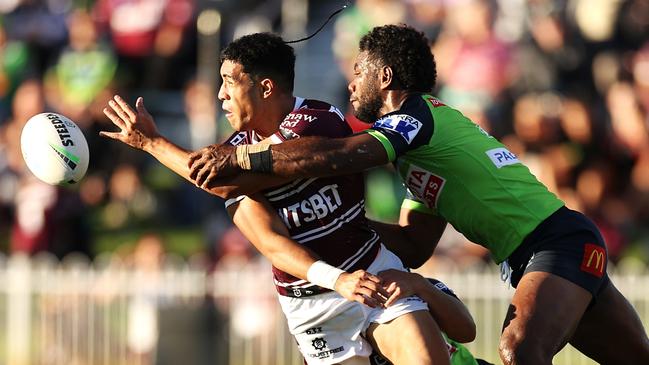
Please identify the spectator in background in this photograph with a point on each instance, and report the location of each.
(147, 34)
(83, 72)
(14, 66)
(43, 29)
(473, 62)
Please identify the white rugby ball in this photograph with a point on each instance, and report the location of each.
(54, 149)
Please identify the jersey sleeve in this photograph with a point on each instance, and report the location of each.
(313, 122)
(411, 202)
(400, 132)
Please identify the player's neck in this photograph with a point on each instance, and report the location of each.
(393, 100)
(277, 111)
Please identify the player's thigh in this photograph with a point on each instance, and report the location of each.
(413, 338)
(544, 313)
(610, 331)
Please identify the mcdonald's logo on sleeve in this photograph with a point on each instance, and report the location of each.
(594, 261)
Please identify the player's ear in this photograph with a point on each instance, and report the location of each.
(267, 87)
(386, 77)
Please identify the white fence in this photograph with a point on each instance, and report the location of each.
(78, 313)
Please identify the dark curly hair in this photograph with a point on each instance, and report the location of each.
(263, 55)
(406, 51)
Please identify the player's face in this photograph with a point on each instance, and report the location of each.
(365, 90)
(239, 96)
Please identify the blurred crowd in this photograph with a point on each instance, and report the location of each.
(563, 83)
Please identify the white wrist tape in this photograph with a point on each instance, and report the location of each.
(323, 274)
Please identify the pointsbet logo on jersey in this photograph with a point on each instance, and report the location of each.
(405, 125)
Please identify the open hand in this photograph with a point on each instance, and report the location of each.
(137, 128)
(362, 287)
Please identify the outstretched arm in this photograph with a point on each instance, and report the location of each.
(262, 226)
(302, 157)
(138, 130)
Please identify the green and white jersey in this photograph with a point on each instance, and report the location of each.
(454, 169)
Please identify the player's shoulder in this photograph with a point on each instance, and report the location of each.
(303, 103)
(413, 121)
(317, 107)
(314, 118)
(414, 109)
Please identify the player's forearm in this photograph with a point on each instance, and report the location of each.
(175, 158)
(412, 249)
(286, 255)
(395, 239)
(266, 231)
(169, 154)
(318, 157)
(450, 313)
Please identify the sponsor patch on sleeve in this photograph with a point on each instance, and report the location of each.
(502, 157)
(404, 124)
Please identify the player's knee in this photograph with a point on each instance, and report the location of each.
(517, 350)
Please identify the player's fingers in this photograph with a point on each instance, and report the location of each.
(374, 295)
(365, 291)
(372, 277)
(374, 287)
(113, 135)
(396, 295)
(201, 175)
(192, 158)
(139, 105)
(119, 112)
(114, 118)
(365, 300)
(381, 294)
(209, 178)
(195, 156)
(196, 168)
(125, 107)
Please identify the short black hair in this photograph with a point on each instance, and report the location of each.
(406, 51)
(263, 55)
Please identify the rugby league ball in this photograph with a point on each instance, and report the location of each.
(54, 149)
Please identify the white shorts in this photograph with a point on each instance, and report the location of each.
(330, 329)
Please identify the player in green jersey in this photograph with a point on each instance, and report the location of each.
(457, 173)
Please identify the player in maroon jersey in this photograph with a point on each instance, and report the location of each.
(325, 216)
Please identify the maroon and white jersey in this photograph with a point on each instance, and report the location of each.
(327, 215)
